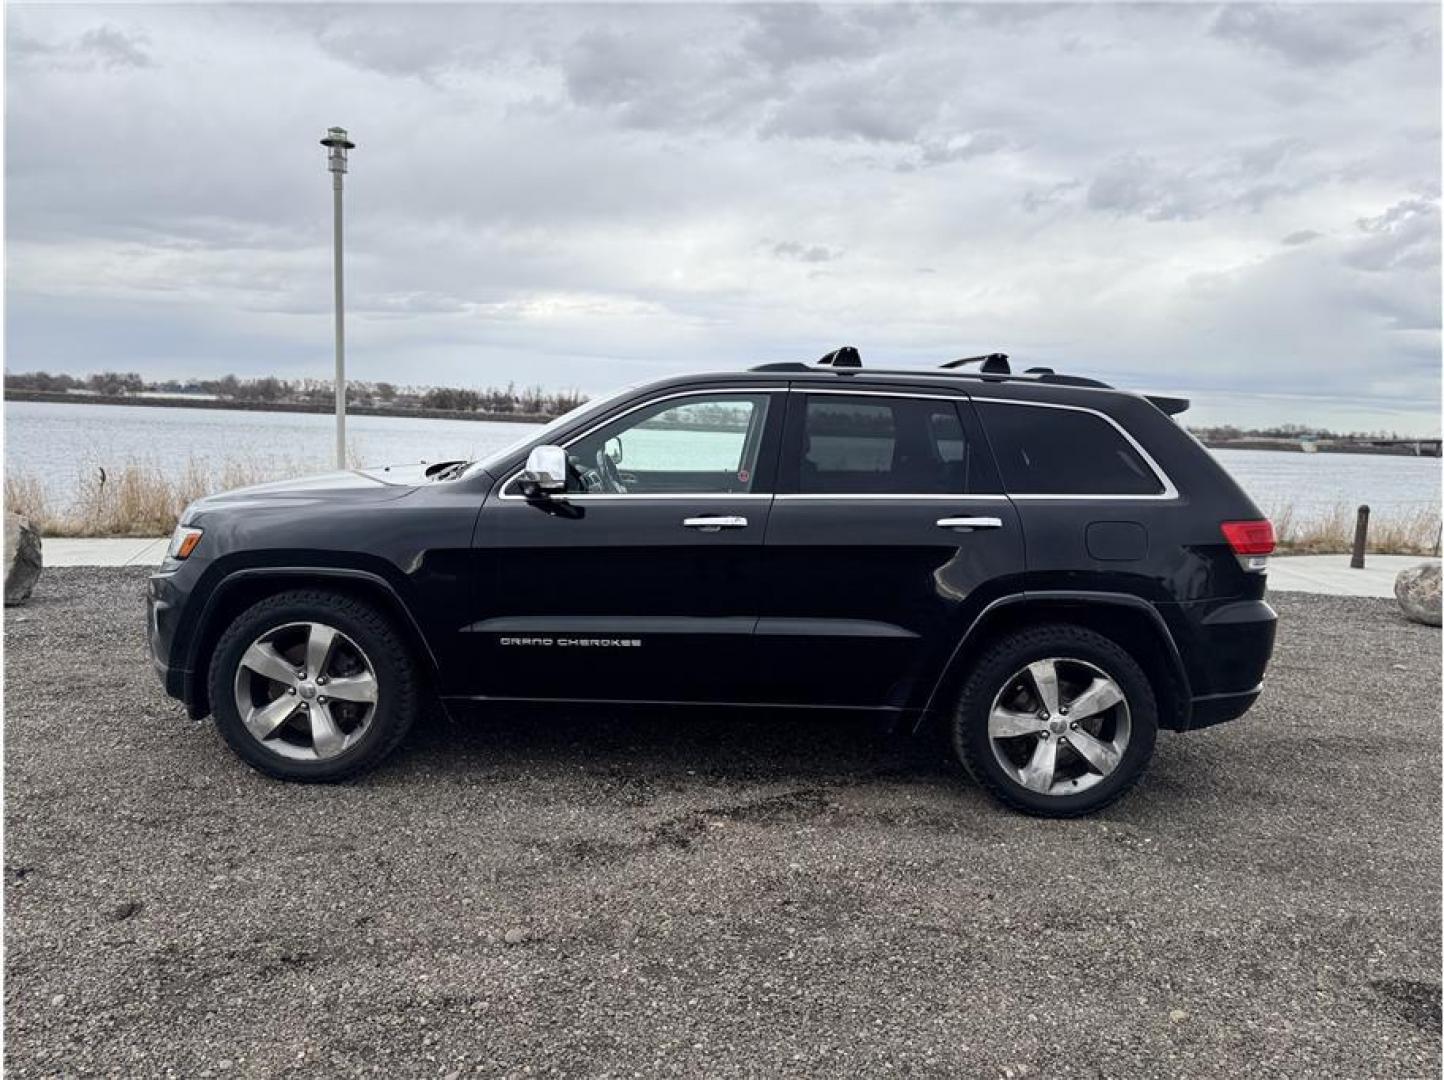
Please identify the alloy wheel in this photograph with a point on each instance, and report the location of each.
(1059, 726)
(306, 691)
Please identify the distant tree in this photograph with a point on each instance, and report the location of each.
(386, 392)
(269, 389)
(446, 397)
(113, 382)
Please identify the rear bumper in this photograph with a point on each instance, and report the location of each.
(1226, 647)
(1219, 708)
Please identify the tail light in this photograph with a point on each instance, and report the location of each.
(1252, 541)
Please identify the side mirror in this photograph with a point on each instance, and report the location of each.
(545, 472)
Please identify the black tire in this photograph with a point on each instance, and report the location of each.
(991, 675)
(396, 680)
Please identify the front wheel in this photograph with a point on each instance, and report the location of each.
(312, 686)
(1056, 721)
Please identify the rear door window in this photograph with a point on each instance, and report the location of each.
(1057, 451)
(876, 445)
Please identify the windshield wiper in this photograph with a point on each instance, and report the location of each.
(451, 471)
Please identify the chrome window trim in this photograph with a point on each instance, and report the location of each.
(1168, 492)
(812, 496)
(708, 392)
(665, 497)
(877, 393)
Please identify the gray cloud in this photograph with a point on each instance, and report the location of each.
(114, 48)
(812, 253)
(1404, 237)
(1244, 178)
(1304, 34)
(103, 46)
(789, 35)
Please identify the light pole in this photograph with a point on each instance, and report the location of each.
(337, 142)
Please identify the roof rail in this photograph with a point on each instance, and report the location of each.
(994, 367)
(785, 365)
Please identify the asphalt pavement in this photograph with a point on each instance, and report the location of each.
(667, 894)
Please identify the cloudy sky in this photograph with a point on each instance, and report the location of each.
(1238, 202)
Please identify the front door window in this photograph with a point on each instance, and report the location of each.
(684, 446)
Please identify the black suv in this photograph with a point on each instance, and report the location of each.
(1052, 567)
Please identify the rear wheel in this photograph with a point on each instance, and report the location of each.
(312, 686)
(1056, 721)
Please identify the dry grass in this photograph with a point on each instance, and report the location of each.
(137, 499)
(1411, 532)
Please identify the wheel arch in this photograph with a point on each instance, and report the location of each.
(1129, 620)
(242, 588)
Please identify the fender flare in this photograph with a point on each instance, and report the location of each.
(1070, 596)
(232, 579)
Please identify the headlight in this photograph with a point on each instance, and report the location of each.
(183, 541)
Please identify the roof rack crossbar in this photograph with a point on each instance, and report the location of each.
(993, 363)
(993, 367)
(844, 357)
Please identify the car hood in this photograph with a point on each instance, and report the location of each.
(379, 484)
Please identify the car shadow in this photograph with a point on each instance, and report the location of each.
(711, 742)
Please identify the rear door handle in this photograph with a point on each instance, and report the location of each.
(970, 523)
(715, 522)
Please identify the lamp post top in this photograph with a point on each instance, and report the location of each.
(337, 142)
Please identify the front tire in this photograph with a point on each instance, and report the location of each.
(312, 686)
(1056, 721)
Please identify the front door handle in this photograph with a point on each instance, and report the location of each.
(970, 523)
(715, 522)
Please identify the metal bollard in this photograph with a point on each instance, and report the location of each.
(1361, 538)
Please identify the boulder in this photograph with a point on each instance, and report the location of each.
(22, 559)
(1417, 590)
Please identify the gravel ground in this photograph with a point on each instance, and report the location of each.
(716, 895)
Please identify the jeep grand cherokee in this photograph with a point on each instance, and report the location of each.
(1052, 568)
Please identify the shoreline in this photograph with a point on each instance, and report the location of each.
(53, 398)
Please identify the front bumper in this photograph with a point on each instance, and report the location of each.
(162, 613)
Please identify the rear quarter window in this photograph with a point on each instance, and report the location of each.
(1056, 451)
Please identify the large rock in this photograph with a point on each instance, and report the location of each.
(1417, 589)
(22, 559)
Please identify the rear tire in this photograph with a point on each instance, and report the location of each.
(1056, 721)
(315, 726)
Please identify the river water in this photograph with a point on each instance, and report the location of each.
(55, 442)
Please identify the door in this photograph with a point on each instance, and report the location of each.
(889, 533)
(641, 582)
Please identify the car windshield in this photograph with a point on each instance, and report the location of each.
(539, 437)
